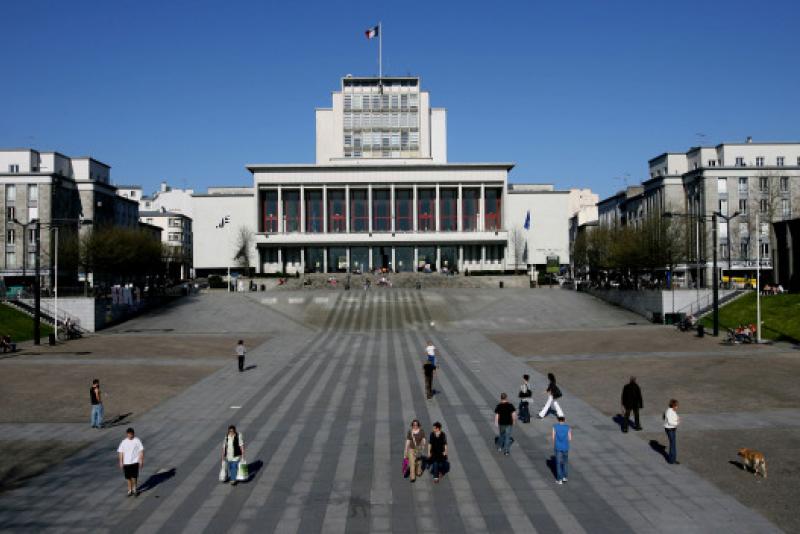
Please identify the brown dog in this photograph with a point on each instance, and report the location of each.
(754, 461)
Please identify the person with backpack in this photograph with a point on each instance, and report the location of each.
(553, 394)
(232, 453)
(525, 393)
(415, 448)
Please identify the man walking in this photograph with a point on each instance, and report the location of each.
(504, 417)
(631, 402)
(671, 422)
(437, 452)
(240, 352)
(96, 398)
(561, 436)
(429, 369)
(131, 459)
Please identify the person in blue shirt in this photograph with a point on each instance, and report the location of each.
(561, 436)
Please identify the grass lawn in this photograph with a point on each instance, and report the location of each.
(18, 325)
(780, 316)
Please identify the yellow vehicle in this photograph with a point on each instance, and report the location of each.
(740, 281)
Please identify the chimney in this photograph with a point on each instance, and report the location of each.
(749, 140)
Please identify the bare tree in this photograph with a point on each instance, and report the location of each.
(244, 242)
(517, 241)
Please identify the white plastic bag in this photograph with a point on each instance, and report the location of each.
(223, 471)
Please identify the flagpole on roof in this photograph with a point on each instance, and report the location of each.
(380, 51)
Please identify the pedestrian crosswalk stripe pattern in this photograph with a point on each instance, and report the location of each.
(324, 416)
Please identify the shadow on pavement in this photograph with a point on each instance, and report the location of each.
(250, 367)
(118, 420)
(157, 479)
(551, 464)
(253, 469)
(659, 448)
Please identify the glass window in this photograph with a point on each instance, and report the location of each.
(743, 206)
(779, 161)
(11, 194)
(404, 258)
(382, 258)
(315, 259)
(426, 210)
(743, 229)
(764, 247)
(381, 210)
(722, 185)
(291, 210)
(426, 259)
(33, 195)
(469, 209)
(449, 258)
(763, 205)
(740, 162)
(314, 222)
(785, 211)
(11, 213)
(743, 246)
(723, 207)
(337, 211)
(11, 237)
(403, 210)
(359, 259)
(763, 183)
(493, 212)
(269, 211)
(760, 161)
(337, 259)
(742, 184)
(448, 210)
(359, 211)
(784, 183)
(11, 259)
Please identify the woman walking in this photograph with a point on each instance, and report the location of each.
(232, 452)
(553, 394)
(415, 448)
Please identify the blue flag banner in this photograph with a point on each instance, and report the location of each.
(527, 224)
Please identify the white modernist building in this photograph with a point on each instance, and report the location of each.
(382, 194)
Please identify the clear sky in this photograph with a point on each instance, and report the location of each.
(577, 93)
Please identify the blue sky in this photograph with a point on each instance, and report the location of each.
(576, 93)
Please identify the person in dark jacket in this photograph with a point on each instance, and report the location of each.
(631, 402)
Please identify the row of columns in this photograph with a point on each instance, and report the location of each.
(392, 188)
(371, 259)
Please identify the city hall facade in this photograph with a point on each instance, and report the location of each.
(382, 195)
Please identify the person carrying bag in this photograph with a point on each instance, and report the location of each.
(233, 457)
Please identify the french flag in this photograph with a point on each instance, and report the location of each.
(372, 32)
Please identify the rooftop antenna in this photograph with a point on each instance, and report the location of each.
(701, 138)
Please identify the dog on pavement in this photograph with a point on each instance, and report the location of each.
(754, 461)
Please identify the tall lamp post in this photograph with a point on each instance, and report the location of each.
(715, 288)
(727, 219)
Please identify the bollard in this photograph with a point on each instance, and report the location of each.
(501, 284)
(701, 330)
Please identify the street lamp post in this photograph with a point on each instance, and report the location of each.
(37, 312)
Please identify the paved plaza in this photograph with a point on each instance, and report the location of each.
(324, 409)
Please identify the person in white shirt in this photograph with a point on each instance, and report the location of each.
(430, 350)
(233, 452)
(671, 422)
(240, 352)
(131, 458)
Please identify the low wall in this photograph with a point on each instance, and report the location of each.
(647, 302)
(92, 314)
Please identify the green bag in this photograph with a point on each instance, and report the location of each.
(242, 473)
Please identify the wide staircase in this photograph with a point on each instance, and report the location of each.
(398, 280)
